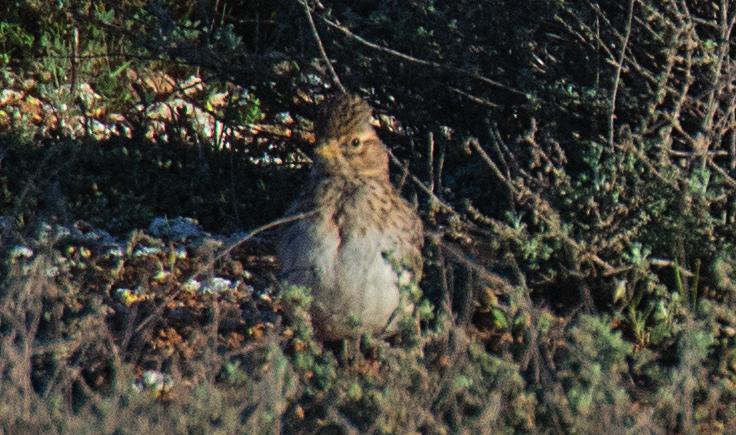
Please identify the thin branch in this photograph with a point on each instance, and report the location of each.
(492, 165)
(479, 100)
(221, 255)
(395, 160)
(553, 220)
(416, 60)
(321, 47)
(727, 178)
(461, 257)
(664, 262)
(617, 79)
(74, 80)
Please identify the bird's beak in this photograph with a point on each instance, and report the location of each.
(325, 151)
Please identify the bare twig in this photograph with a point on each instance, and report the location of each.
(617, 79)
(492, 165)
(664, 262)
(321, 47)
(347, 425)
(727, 178)
(416, 60)
(225, 252)
(430, 160)
(74, 62)
(495, 280)
(474, 98)
(395, 160)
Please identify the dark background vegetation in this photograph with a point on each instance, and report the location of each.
(574, 163)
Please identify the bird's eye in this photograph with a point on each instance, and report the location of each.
(355, 143)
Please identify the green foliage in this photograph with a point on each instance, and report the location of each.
(14, 39)
(593, 374)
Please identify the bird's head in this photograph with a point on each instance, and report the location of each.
(347, 143)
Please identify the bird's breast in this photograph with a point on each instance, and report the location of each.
(348, 253)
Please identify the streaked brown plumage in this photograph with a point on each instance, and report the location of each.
(348, 251)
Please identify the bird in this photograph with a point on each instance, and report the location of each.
(359, 241)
